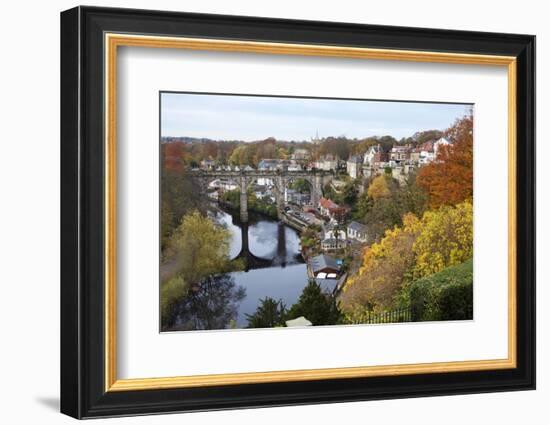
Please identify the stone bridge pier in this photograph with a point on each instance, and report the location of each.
(243, 183)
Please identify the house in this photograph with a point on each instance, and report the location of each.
(294, 166)
(331, 209)
(208, 164)
(326, 271)
(423, 153)
(260, 191)
(353, 167)
(375, 157)
(331, 244)
(368, 158)
(324, 264)
(400, 153)
(268, 164)
(332, 232)
(223, 185)
(327, 163)
(437, 145)
(333, 239)
(357, 231)
(294, 197)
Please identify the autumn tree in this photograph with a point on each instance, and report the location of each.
(385, 266)
(385, 202)
(379, 187)
(446, 239)
(201, 246)
(242, 155)
(449, 179)
(174, 156)
(180, 194)
(419, 248)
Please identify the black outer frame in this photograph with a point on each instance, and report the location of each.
(82, 219)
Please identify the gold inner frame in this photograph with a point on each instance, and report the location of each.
(113, 41)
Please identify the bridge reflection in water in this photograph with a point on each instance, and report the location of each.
(222, 301)
(279, 257)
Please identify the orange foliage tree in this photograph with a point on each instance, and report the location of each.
(174, 156)
(449, 179)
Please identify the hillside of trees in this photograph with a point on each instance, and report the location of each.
(423, 232)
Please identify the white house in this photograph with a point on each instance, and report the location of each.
(353, 166)
(294, 166)
(222, 184)
(439, 143)
(368, 158)
(357, 231)
(327, 163)
(333, 239)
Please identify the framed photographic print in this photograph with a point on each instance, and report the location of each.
(261, 212)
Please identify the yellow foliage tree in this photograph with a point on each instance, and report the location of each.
(442, 238)
(446, 239)
(379, 188)
(381, 275)
(202, 247)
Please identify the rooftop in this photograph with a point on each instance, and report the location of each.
(327, 203)
(358, 227)
(323, 261)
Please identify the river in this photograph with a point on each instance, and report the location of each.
(275, 270)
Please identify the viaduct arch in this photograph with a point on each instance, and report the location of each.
(280, 178)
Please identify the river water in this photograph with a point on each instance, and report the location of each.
(275, 270)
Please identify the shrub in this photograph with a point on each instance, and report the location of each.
(447, 295)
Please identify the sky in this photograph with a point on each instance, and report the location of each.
(251, 118)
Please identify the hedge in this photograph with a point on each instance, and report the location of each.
(447, 295)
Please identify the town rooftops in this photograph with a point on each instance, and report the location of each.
(328, 204)
(358, 227)
(323, 262)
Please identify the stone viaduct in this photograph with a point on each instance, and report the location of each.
(281, 178)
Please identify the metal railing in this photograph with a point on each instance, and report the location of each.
(391, 316)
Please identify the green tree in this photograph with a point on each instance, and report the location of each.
(315, 306)
(201, 246)
(389, 203)
(446, 295)
(269, 314)
(300, 185)
(170, 292)
(180, 194)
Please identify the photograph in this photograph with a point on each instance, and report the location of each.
(292, 212)
(345, 203)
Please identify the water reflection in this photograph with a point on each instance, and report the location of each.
(213, 304)
(274, 268)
